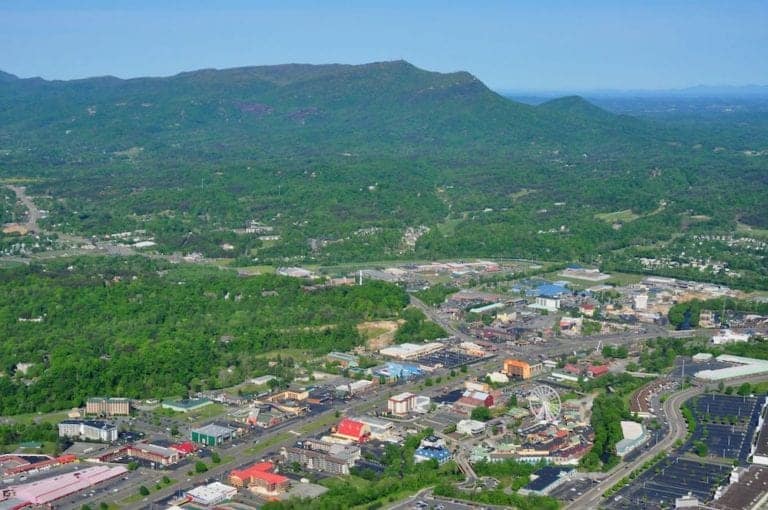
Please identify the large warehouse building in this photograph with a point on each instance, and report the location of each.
(411, 351)
(742, 367)
(212, 435)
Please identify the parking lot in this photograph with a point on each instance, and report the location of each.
(672, 478)
(447, 359)
(726, 424)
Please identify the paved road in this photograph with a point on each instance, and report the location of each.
(435, 317)
(677, 430)
(32, 210)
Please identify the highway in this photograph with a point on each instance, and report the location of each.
(677, 430)
(33, 212)
(250, 451)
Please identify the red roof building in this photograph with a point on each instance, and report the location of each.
(261, 477)
(185, 448)
(354, 430)
(572, 369)
(597, 370)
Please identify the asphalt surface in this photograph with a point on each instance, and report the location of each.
(677, 430)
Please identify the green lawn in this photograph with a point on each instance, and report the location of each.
(264, 445)
(624, 216)
(314, 425)
(53, 417)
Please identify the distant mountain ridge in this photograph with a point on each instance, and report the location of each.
(341, 159)
(394, 101)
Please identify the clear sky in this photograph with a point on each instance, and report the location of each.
(513, 44)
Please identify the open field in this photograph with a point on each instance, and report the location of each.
(624, 216)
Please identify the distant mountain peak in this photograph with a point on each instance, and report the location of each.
(573, 105)
(8, 76)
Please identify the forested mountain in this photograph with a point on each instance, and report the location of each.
(341, 159)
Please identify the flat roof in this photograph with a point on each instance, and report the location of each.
(631, 429)
(212, 491)
(761, 448)
(213, 430)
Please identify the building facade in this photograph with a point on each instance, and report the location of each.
(88, 429)
(101, 406)
(401, 404)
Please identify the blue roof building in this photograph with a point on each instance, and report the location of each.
(402, 370)
(441, 455)
(546, 479)
(552, 290)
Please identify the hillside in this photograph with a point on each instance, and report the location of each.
(341, 159)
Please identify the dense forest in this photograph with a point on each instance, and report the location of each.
(141, 328)
(336, 162)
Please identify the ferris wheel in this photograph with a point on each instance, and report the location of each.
(544, 403)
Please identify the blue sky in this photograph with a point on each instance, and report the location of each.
(516, 45)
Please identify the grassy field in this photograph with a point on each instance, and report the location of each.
(296, 354)
(624, 216)
(208, 412)
(318, 424)
(53, 417)
(757, 232)
(272, 441)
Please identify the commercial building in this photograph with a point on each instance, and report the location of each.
(13, 464)
(47, 490)
(212, 435)
(411, 351)
(344, 360)
(470, 427)
(323, 456)
(380, 429)
(212, 494)
(594, 371)
(546, 479)
(760, 453)
(153, 453)
(89, 430)
(743, 367)
(727, 336)
(487, 308)
(423, 454)
(186, 405)
(546, 303)
(352, 430)
(519, 369)
(351, 389)
(394, 370)
(702, 357)
(472, 349)
(498, 377)
(634, 436)
(261, 477)
(401, 404)
(102, 406)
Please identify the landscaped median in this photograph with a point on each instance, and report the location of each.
(648, 464)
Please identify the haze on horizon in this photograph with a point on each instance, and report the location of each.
(528, 45)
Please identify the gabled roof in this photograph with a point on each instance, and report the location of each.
(350, 428)
(260, 471)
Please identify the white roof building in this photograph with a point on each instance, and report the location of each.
(212, 494)
(727, 336)
(410, 351)
(470, 427)
(745, 367)
(498, 377)
(634, 436)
